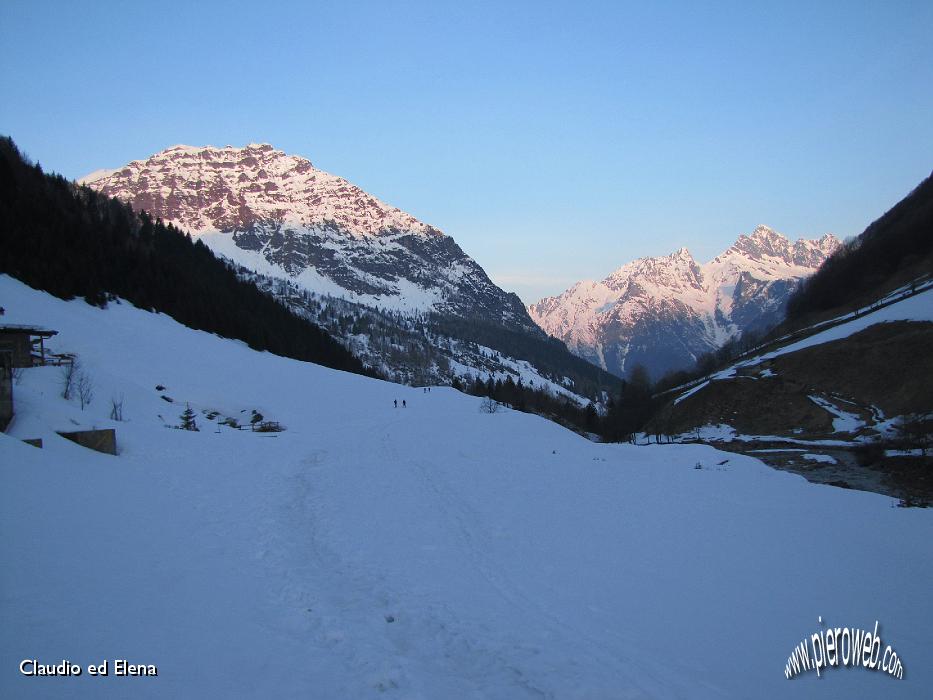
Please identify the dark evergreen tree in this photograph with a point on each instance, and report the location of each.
(188, 421)
(893, 249)
(549, 355)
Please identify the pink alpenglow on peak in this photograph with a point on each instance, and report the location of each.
(204, 188)
(663, 312)
(278, 215)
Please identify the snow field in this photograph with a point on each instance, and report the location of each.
(427, 552)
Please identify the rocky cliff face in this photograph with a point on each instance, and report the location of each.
(664, 312)
(278, 214)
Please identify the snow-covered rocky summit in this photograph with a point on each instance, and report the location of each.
(279, 215)
(663, 312)
(206, 188)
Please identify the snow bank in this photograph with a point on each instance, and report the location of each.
(843, 421)
(821, 458)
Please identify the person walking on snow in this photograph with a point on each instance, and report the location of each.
(404, 405)
(396, 403)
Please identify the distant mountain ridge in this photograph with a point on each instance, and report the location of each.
(279, 215)
(663, 312)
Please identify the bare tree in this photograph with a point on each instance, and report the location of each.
(489, 405)
(85, 389)
(116, 408)
(915, 432)
(70, 373)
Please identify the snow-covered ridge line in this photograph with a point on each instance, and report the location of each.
(258, 179)
(699, 306)
(765, 254)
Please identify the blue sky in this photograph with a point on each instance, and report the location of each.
(555, 142)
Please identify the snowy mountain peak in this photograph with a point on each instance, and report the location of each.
(678, 258)
(765, 245)
(763, 231)
(206, 188)
(664, 311)
(278, 215)
(677, 270)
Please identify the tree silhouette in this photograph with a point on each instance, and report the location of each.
(188, 421)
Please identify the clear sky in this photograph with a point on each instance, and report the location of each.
(554, 141)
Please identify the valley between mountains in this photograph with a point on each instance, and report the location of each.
(346, 464)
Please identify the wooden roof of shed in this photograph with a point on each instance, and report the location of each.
(24, 329)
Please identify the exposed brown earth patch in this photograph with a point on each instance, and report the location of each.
(887, 366)
(874, 375)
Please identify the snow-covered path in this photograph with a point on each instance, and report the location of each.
(426, 552)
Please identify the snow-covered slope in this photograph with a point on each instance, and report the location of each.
(410, 349)
(427, 552)
(906, 306)
(277, 214)
(867, 370)
(663, 312)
